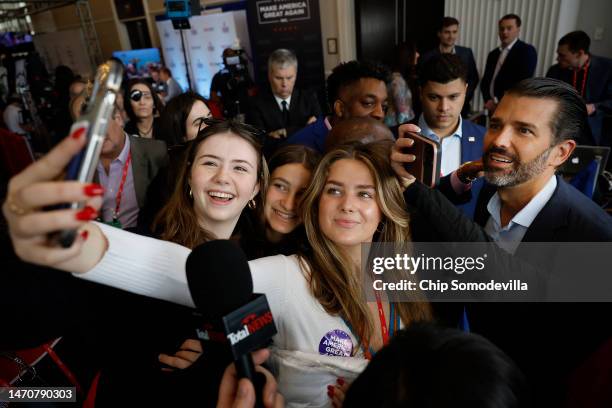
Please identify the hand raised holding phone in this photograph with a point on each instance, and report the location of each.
(416, 157)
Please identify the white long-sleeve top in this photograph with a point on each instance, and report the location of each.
(309, 339)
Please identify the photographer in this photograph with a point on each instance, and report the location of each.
(232, 86)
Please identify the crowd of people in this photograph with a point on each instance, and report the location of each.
(300, 190)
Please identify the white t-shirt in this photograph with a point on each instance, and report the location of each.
(308, 342)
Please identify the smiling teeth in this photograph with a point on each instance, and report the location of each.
(500, 159)
(284, 215)
(219, 194)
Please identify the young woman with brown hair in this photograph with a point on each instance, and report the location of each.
(315, 296)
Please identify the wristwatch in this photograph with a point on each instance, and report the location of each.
(464, 178)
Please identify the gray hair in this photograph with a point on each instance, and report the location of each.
(282, 57)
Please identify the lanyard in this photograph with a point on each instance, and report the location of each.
(383, 322)
(584, 78)
(386, 331)
(126, 167)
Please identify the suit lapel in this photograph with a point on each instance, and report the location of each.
(139, 170)
(469, 146)
(551, 219)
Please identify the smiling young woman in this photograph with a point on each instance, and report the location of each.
(223, 171)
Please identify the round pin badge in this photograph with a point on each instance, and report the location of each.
(336, 343)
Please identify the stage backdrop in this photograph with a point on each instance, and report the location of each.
(209, 35)
(291, 24)
(64, 48)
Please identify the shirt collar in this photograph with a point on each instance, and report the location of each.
(125, 151)
(426, 130)
(528, 213)
(280, 100)
(451, 52)
(509, 47)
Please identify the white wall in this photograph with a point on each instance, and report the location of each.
(337, 21)
(594, 14)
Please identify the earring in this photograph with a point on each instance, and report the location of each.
(190, 193)
(381, 227)
(252, 204)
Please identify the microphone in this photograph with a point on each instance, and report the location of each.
(221, 287)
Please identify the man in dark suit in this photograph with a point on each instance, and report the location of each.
(508, 64)
(590, 75)
(448, 34)
(530, 135)
(282, 110)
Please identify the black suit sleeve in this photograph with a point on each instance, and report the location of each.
(529, 61)
(473, 78)
(308, 106)
(488, 76)
(255, 115)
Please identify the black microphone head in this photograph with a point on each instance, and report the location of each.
(219, 278)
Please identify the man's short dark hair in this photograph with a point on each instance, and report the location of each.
(447, 22)
(576, 41)
(512, 17)
(428, 366)
(571, 119)
(442, 68)
(347, 73)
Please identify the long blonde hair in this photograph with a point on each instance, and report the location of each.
(333, 280)
(177, 220)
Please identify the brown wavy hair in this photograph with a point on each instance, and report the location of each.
(177, 220)
(333, 280)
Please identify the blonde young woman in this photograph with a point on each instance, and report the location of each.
(316, 295)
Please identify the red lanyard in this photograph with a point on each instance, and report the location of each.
(384, 329)
(584, 78)
(126, 167)
(383, 321)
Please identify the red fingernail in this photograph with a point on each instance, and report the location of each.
(84, 234)
(78, 133)
(86, 214)
(330, 390)
(93, 189)
(340, 381)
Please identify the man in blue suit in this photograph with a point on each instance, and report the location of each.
(508, 64)
(443, 87)
(590, 75)
(448, 34)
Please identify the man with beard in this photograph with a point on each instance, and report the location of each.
(530, 135)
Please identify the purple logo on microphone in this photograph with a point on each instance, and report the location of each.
(336, 343)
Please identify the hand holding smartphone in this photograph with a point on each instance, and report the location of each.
(426, 166)
(93, 121)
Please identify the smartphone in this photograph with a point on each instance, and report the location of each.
(426, 167)
(93, 121)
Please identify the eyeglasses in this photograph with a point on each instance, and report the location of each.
(136, 95)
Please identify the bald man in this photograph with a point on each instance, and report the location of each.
(363, 129)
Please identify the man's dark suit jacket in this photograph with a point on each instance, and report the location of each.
(546, 340)
(467, 57)
(149, 156)
(265, 114)
(598, 91)
(520, 64)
